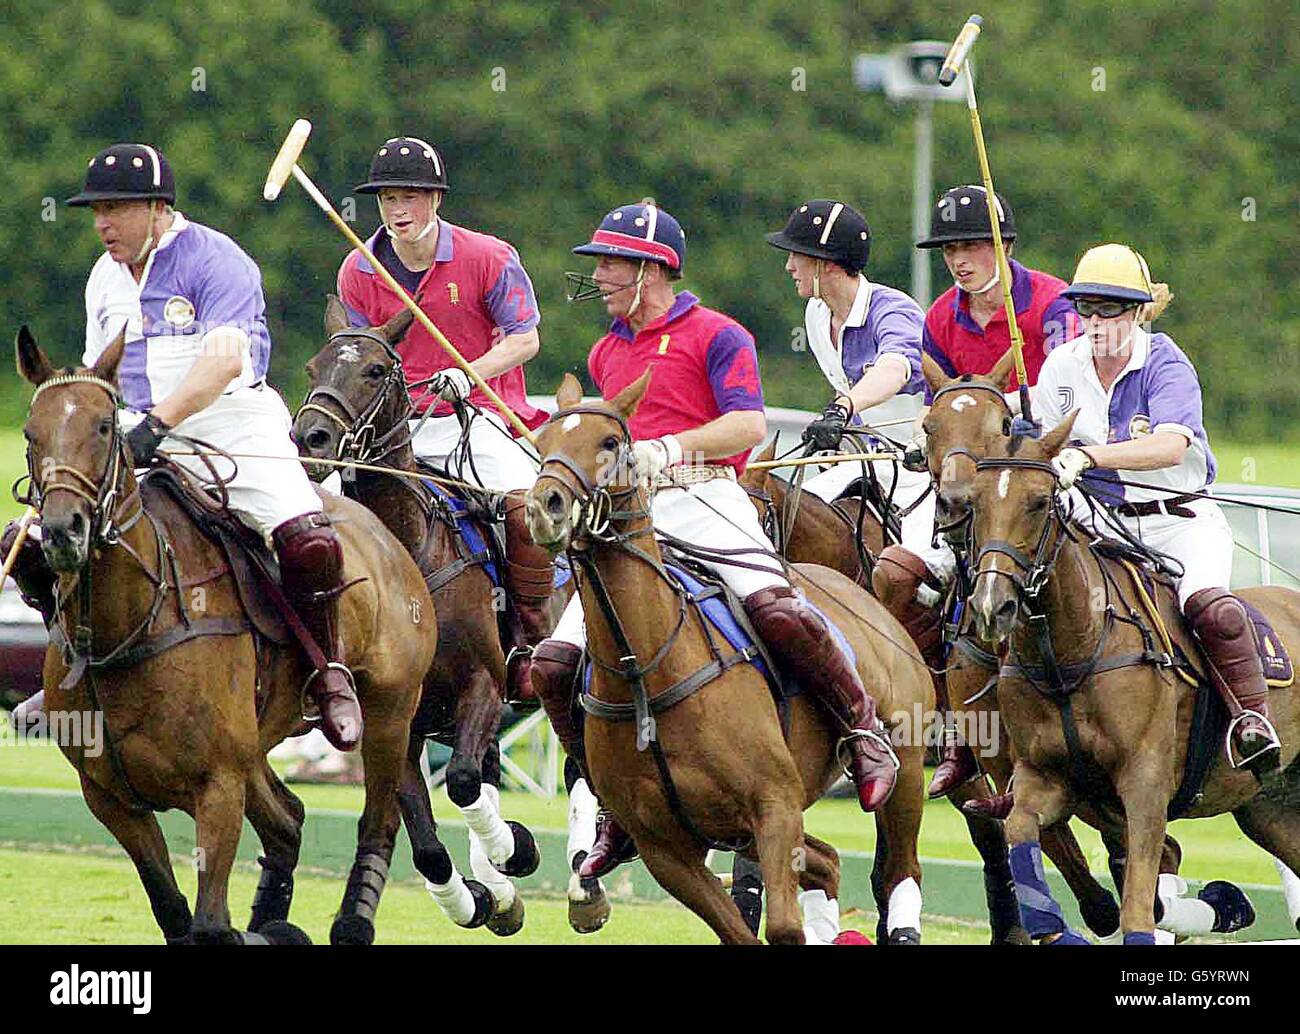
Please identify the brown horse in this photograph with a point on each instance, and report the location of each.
(357, 409)
(191, 701)
(730, 773)
(1090, 719)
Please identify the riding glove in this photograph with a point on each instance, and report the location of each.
(655, 455)
(824, 433)
(1069, 464)
(914, 456)
(144, 438)
(452, 384)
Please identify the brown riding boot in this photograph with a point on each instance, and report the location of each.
(807, 649)
(1224, 629)
(311, 570)
(530, 575)
(30, 572)
(899, 573)
(554, 668)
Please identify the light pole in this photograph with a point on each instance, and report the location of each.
(911, 73)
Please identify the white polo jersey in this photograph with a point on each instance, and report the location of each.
(1157, 390)
(195, 281)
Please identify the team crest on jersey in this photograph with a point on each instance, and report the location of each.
(178, 311)
(453, 293)
(1066, 394)
(1139, 426)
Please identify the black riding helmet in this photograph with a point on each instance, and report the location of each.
(962, 214)
(826, 230)
(127, 172)
(406, 161)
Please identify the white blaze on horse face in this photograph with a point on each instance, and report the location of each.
(1004, 483)
(349, 353)
(571, 422)
(962, 401)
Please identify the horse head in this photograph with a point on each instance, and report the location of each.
(586, 465)
(968, 415)
(76, 453)
(357, 403)
(1013, 500)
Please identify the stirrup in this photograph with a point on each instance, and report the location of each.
(846, 761)
(1274, 744)
(307, 716)
(518, 653)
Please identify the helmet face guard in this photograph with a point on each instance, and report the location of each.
(585, 287)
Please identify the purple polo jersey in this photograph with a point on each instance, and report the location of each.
(1157, 390)
(893, 325)
(196, 281)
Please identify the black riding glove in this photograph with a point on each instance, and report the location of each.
(824, 433)
(144, 438)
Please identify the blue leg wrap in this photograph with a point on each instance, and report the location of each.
(1140, 938)
(1039, 912)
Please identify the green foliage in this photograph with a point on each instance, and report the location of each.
(552, 114)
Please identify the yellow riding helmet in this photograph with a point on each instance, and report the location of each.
(1111, 271)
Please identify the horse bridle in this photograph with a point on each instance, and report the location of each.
(359, 440)
(1038, 568)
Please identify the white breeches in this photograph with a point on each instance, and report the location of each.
(494, 460)
(264, 492)
(715, 514)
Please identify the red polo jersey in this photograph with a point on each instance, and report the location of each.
(962, 346)
(704, 365)
(475, 292)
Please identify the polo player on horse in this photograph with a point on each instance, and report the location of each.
(702, 413)
(1139, 403)
(189, 302)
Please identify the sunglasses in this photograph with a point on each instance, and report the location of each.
(1107, 310)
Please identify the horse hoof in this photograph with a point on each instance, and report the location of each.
(1232, 909)
(1100, 914)
(905, 935)
(509, 922)
(281, 931)
(591, 911)
(527, 857)
(218, 935)
(484, 904)
(352, 929)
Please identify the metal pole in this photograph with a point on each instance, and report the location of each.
(922, 188)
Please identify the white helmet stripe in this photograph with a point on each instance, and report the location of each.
(997, 204)
(652, 217)
(830, 221)
(157, 167)
(433, 153)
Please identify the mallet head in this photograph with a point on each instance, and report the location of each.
(960, 49)
(284, 161)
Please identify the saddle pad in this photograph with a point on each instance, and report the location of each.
(1278, 669)
(469, 530)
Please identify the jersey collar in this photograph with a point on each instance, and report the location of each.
(1022, 295)
(683, 302)
(1137, 359)
(442, 253)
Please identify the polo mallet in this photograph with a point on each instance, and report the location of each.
(952, 65)
(286, 162)
(23, 524)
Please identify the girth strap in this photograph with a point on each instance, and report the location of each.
(674, 694)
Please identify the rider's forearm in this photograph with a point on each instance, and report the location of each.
(1152, 452)
(729, 434)
(221, 361)
(883, 381)
(511, 351)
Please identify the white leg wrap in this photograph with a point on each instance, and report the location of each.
(821, 917)
(905, 906)
(1290, 891)
(454, 898)
(501, 887)
(582, 820)
(485, 823)
(1164, 937)
(1183, 916)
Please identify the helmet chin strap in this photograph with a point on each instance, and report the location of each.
(817, 279)
(149, 241)
(636, 298)
(993, 282)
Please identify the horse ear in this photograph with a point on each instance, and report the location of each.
(1054, 440)
(569, 393)
(336, 316)
(1003, 369)
(933, 372)
(106, 366)
(32, 361)
(395, 329)
(629, 398)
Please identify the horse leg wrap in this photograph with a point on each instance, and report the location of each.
(821, 917)
(365, 886)
(1290, 891)
(1140, 938)
(1040, 915)
(904, 907)
(454, 898)
(486, 825)
(1183, 916)
(582, 822)
(502, 889)
(273, 896)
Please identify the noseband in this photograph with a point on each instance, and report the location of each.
(594, 509)
(360, 440)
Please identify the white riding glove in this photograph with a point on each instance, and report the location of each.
(1069, 464)
(452, 384)
(655, 455)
